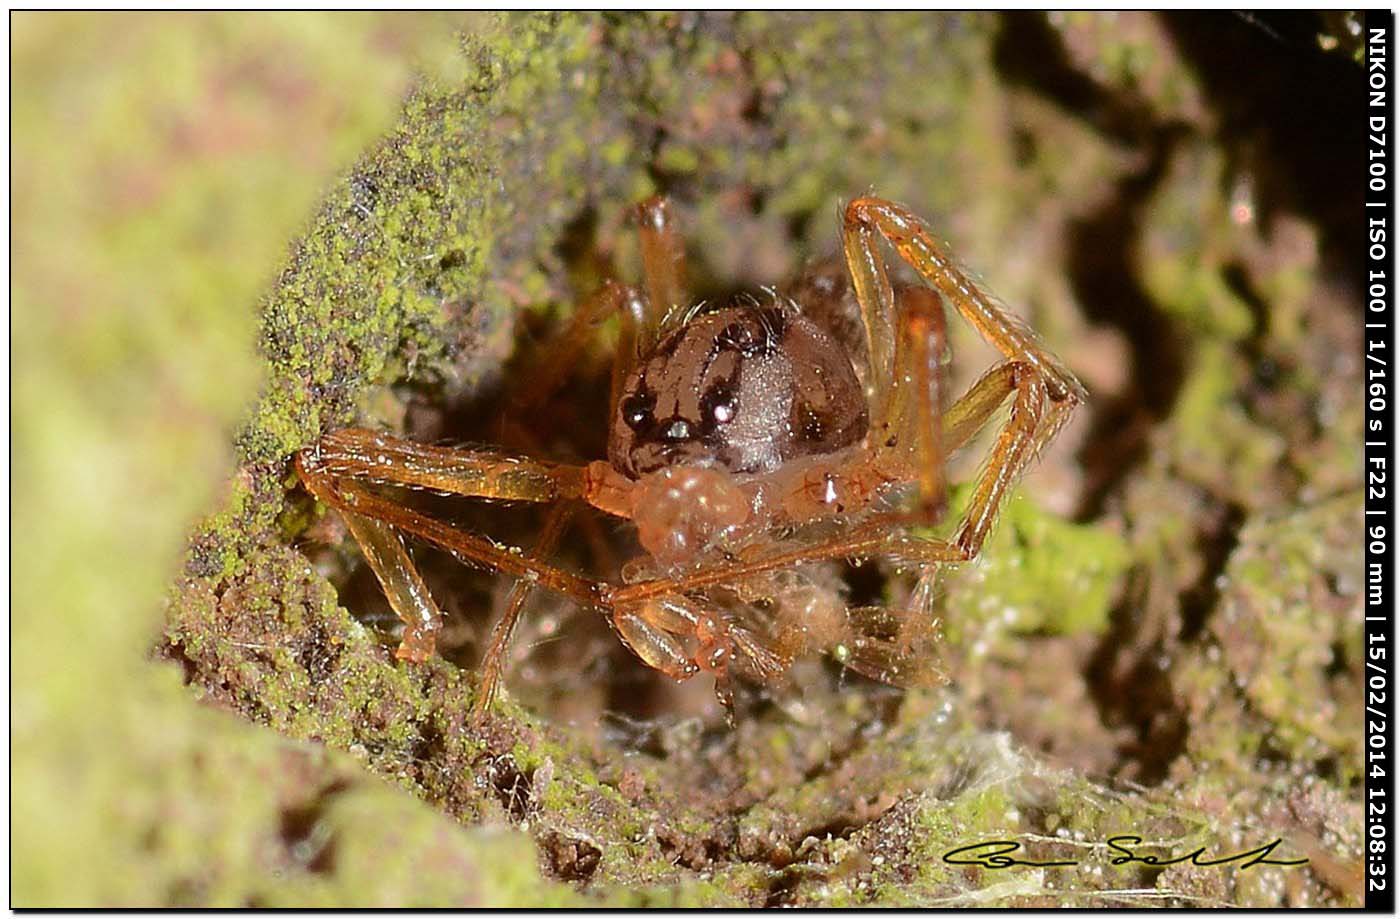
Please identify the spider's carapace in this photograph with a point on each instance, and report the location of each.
(746, 388)
(746, 446)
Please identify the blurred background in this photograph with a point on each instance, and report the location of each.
(231, 231)
(160, 166)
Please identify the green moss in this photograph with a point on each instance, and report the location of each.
(1186, 242)
(1218, 441)
(1283, 684)
(1037, 574)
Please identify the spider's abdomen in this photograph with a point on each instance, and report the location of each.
(745, 388)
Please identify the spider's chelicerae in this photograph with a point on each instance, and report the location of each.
(744, 445)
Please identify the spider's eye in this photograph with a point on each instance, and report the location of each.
(637, 408)
(735, 337)
(718, 406)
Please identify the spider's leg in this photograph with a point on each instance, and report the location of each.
(402, 585)
(1013, 450)
(349, 497)
(1046, 393)
(871, 283)
(877, 539)
(654, 646)
(680, 618)
(328, 468)
(967, 416)
(560, 355)
(663, 270)
(919, 418)
(646, 627)
(663, 267)
(866, 217)
(494, 660)
(372, 456)
(664, 616)
(1032, 415)
(681, 636)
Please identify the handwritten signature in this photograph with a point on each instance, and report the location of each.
(995, 854)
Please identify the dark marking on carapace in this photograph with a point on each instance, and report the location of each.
(747, 387)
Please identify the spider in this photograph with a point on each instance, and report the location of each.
(744, 445)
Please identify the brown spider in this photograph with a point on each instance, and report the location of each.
(742, 445)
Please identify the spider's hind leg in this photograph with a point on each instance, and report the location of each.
(334, 471)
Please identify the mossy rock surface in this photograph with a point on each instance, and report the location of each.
(1160, 640)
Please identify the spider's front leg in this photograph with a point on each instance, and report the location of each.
(381, 546)
(1045, 393)
(663, 268)
(334, 469)
(668, 631)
